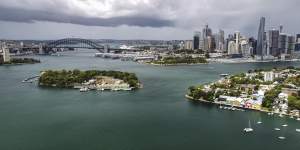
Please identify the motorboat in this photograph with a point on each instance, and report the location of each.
(276, 129)
(285, 125)
(249, 129)
(224, 75)
(281, 137)
(84, 89)
(259, 122)
(297, 130)
(298, 119)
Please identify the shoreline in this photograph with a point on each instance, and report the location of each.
(179, 64)
(224, 61)
(241, 61)
(216, 103)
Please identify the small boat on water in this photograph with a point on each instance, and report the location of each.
(83, 89)
(224, 75)
(298, 119)
(292, 117)
(281, 137)
(249, 129)
(297, 130)
(276, 129)
(285, 125)
(259, 122)
(281, 115)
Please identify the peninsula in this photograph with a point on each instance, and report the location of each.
(89, 80)
(179, 60)
(273, 91)
(20, 61)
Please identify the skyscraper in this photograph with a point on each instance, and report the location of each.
(237, 36)
(283, 43)
(260, 48)
(196, 40)
(297, 45)
(207, 31)
(5, 52)
(253, 44)
(273, 42)
(221, 39)
(291, 44)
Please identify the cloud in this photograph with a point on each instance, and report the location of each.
(230, 15)
(30, 16)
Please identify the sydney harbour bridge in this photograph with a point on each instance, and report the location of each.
(73, 43)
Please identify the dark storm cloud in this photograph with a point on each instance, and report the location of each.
(167, 16)
(30, 16)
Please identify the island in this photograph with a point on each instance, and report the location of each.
(20, 61)
(89, 80)
(170, 60)
(274, 90)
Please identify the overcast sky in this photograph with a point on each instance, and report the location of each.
(141, 19)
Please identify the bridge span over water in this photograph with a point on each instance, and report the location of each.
(73, 43)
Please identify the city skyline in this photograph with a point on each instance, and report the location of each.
(140, 19)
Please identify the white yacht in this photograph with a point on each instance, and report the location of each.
(281, 138)
(249, 129)
(276, 129)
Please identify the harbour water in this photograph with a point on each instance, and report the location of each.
(155, 117)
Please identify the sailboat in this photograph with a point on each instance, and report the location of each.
(249, 129)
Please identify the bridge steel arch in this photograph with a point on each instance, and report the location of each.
(74, 43)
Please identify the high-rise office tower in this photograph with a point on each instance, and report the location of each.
(260, 48)
(220, 40)
(273, 42)
(5, 52)
(283, 43)
(237, 36)
(291, 44)
(245, 47)
(297, 45)
(196, 40)
(206, 31)
(230, 38)
(252, 44)
(231, 48)
(280, 28)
